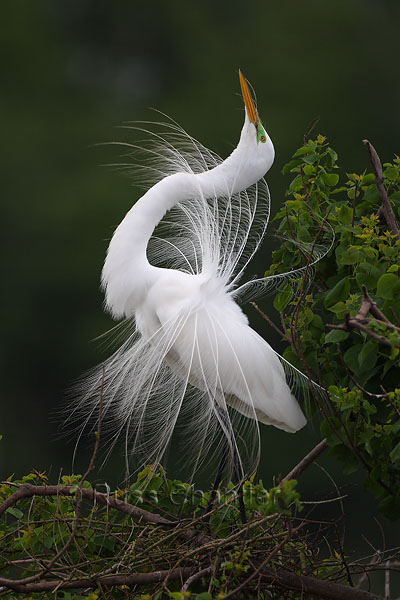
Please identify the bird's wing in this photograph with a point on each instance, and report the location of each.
(222, 355)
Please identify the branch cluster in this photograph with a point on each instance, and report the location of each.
(361, 321)
(273, 552)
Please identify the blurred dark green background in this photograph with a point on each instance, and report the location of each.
(72, 71)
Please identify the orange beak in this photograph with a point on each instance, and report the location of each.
(248, 102)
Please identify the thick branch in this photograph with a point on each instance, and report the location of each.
(318, 588)
(353, 323)
(386, 207)
(106, 581)
(28, 491)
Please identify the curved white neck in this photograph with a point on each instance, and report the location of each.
(126, 271)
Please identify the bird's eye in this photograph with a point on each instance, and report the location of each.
(263, 138)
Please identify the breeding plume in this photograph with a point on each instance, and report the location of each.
(188, 358)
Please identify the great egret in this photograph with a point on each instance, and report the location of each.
(189, 348)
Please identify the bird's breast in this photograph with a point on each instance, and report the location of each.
(177, 297)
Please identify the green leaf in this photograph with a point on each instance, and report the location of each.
(368, 356)
(368, 179)
(367, 275)
(311, 158)
(391, 173)
(290, 355)
(15, 512)
(336, 335)
(390, 507)
(303, 150)
(339, 292)
(345, 214)
(294, 205)
(297, 184)
(339, 309)
(330, 179)
(388, 286)
(391, 269)
(283, 298)
(204, 596)
(372, 195)
(351, 464)
(350, 357)
(309, 170)
(350, 256)
(328, 428)
(395, 453)
(316, 327)
(290, 165)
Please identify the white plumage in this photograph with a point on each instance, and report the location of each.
(172, 270)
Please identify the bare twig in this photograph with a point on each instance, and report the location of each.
(310, 128)
(269, 321)
(195, 577)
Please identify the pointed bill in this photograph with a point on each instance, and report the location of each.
(248, 102)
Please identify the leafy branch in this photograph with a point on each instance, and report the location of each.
(343, 328)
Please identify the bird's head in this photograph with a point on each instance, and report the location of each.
(259, 147)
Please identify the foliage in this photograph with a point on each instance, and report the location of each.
(343, 329)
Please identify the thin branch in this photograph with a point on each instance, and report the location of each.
(310, 128)
(269, 321)
(307, 461)
(97, 434)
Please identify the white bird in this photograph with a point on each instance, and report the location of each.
(189, 347)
